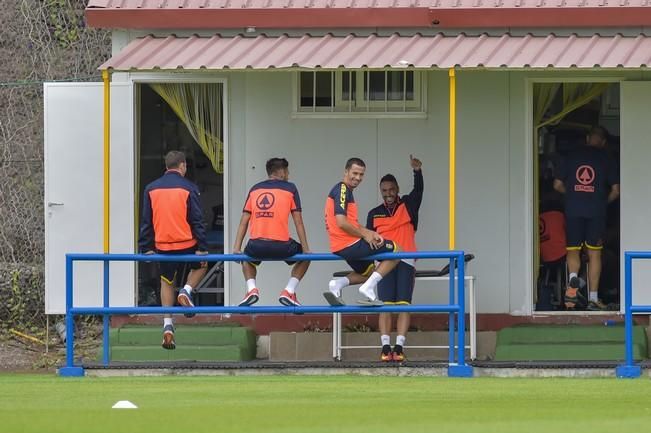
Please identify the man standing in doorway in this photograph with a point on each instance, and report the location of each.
(172, 223)
(266, 212)
(353, 242)
(397, 218)
(589, 178)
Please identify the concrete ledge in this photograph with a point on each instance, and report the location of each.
(317, 346)
(394, 371)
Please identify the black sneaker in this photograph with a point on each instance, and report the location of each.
(385, 356)
(572, 292)
(398, 354)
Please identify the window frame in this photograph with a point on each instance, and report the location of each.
(358, 106)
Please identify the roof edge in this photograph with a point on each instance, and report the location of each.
(415, 17)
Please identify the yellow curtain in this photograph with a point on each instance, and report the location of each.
(575, 95)
(199, 106)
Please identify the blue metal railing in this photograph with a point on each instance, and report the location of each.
(630, 369)
(457, 275)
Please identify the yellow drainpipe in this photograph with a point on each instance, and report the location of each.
(453, 156)
(106, 77)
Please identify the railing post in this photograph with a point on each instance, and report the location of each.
(106, 317)
(451, 314)
(461, 369)
(70, 369)
(628, 370)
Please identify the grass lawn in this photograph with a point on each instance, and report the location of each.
(42, 403)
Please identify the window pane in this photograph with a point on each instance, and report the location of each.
(348, 77)
(396, 85)
(375, 86)
(410, 85)
(306, 88)
(323, 89)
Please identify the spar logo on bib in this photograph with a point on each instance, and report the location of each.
(265, 202)
(585, 178)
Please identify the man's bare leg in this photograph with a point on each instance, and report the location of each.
(573, 266)
(299, 269)
(167, 300)
(594, 273)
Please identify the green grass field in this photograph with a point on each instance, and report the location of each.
(42, 403)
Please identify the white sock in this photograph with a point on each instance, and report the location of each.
(188, 288)
(594, 296)
(250, 284)
(400, 340)
(368, 288)
(386, 340)
(167, 321)
(335, 285)
(292, 284)
(572, 275)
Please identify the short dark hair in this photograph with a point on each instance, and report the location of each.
(276, 164)
(173, 159)
(389, 178)
(600, 131)
(354, 161)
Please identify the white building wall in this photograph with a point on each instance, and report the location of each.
(318, 148)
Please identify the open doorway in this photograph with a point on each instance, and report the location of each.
(163, 128)
(565, 113)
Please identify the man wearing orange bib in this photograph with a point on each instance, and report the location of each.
(266, 213)
(353, 242)
(397, 218)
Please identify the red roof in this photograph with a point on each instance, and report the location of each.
(442, 14)
(395, 51)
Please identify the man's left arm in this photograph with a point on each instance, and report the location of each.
(415, 197)
(195, 218)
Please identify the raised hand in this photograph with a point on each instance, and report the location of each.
(416, 164)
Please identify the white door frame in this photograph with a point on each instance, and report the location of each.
(185, 77)
(529, 179)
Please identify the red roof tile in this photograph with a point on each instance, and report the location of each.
(395, 51)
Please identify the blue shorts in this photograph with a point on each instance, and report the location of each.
(270, 249)
(170, 270)
(588, 231)
(397, 287)
(361, 249)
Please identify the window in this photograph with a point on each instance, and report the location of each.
(370, 92)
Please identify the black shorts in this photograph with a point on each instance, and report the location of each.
(170, 270)
(398, 286)
(361, 249)
(269, 249)
(588, 231)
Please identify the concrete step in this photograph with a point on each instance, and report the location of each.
(182, 352)
(529, 334)
(194, 343)
(566, 352)
(199, 335)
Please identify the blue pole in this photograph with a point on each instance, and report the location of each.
(628, 301)
(70, 369)
(105, 317)
(461, 314)
(629, 369)
(451, 315)
(460, 369)
(70, 324)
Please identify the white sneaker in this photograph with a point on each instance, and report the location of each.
(368, 292)
(334, 289)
